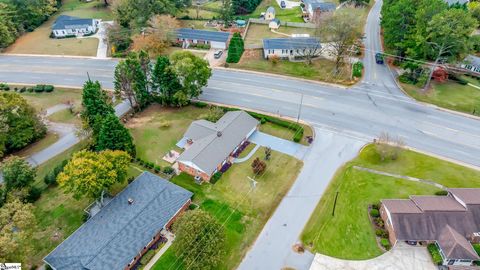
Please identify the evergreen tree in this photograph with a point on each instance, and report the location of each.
(165, 82)
(113, 135)
(235, 49)
(96, 104)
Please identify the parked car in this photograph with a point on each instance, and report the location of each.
(218, 54)
(282, 4)
(379, 58)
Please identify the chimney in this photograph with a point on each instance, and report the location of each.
(130, 201)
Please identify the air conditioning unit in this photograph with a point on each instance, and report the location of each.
(475, 238)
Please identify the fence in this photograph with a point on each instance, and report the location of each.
(291, 24)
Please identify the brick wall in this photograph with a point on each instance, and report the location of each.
(388, 225)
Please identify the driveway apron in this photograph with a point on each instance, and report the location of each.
(281, 145)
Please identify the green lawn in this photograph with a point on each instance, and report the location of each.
(450, 95)
(247, 150)
(196, 24)
(287, 15)
(349, 234)
(65, 116)
(320, 70)
(283, 133)
(42, 101)
(243, 212)
(257, 32)
(41, 144)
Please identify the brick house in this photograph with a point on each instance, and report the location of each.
(314, 8)
(124, 229)
(209, 146)
(216, 39)
(452, 222)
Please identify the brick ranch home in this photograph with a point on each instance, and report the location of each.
(452, 222)
(209, 146)
(124, 229)
(216, 39)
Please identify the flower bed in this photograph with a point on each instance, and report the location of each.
(379, 227)
(240, 149)
(225, 167)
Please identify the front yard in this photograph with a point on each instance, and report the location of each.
(287, 15)
(257, 32)
(349, 234)
(320, 70)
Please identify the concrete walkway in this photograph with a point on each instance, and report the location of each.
(401, 257)
(240, 160)
(273, 247)
(159, 254)
(281, 145)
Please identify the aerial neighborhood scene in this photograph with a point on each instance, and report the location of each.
(240, 134)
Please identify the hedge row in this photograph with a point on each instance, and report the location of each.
(436, 257)
(37, 88)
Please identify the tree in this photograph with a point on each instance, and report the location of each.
(96, 104)
(17, 223)
(258, 166)
(114, 136)
(235, 48)
(118, 37)
(131, 80)
(398, 23)
(474, 8)
(341, 29)
(199, 241)
(388, 147)
(17, 173)
(241, 7)
(19, 124)
(165, 83)
(158, 36)
(226, 13)
(192, 72)
(135, 14)
(91, 174)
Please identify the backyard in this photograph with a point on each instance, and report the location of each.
(257, 32)
(320, 70)
(286, 15)
(450, 95)
(349, 234)
(39, 42)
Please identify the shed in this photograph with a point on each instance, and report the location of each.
(270, 14)
(274, 24)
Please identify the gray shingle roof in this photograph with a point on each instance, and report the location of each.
(451, 2)
(111, 238)
(208, 149)
(217, 36)
(291, 43)
(324, 6)
(69, 22)
(472, 60)
(271, 10)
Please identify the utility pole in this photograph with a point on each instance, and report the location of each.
(335, 204)
(300, 108)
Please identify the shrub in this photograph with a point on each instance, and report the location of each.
(23, 89)
(150, 165)
(235, 49)
(274, 59)
(157, 168)
(15, 89)
(30, 89)
(38, 88)
(48, 88)
(130, 179)
(379, 232)
(458, 79)
(357, 69)
(385, 243)
(379, 222)
(374, 213)
(168, 170)
(436, 257)
(376, 206)
(85, 216)
(192, 206)
(441, 193)
(147, 257)
(216, 177)
(50, 179)
(263, 120)
(200, 104)
(298, 136)
(34, 194)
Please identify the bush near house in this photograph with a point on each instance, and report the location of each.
(436, 257)
(235, 49)
(357, 69)
(374, 213)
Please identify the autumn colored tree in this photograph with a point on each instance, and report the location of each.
(91, 174)
(258, 166)
(113, 135)
(199, 241)
(17, 173)
(158, 36)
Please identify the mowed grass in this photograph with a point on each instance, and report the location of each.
(284, 133)
(257, 32)
(450, 95)
(319, 70)
(39, 41)
(65, 116)
(349, 234)
(196, 24)
(43, 101)
(287, 15)
(242, 211)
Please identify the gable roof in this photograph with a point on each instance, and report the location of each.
(111, 238)
(472, 60)
(188, 33)
(213, 142)
(70, 22)
(291, 43)
(437, 203)
(455, 246)
(324, 6)
(452, 2)
(271, 10)
(396, 206)
(466, 195)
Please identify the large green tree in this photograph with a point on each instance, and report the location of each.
(165, 82)
(91, 174)
(199, 241)
(235, 49)
(19, 124)
(192, 72)
(17, 173)
(114, 135)
(96, 104)
(398, 22)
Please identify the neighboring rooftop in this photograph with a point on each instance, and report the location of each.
(322, 5)
(70, 22)
(452, 2)
(466, 195)
(271, 10)
(291, 43)
(456, 246)
(398, 206)
(188, 33)
(437, 203)
(213, 142)
(472, 60)
(111, 238)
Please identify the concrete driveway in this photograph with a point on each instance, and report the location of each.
(289, 4)
(210, 57)
(401, 257)
(281, 145)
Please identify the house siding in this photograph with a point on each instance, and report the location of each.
(388, 225)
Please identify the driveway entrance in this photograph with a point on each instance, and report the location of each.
(281, 145)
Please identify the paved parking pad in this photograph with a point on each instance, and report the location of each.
(281, 145)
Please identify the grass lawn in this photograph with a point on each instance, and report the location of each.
(247, 150)
(202, 14)
(283, 133)
(42, 101)
(349, 234)
(287, 15)
(41, 144)
(242, 212)
(39, 42)
(65, 116)
(172, 49)
(257, 32)
(450, 95)
(196, 24)
(320, 70)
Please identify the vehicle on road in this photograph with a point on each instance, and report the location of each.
(218, 54)
(282, 4)
(379, 58)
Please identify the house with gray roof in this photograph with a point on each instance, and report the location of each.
(124, 229)
(453, 2)
(314, 8)
(270, 14)
(216, 39)
(290, 48)
(452, 222)
(471, 63)
(209, 146)
(69, 26)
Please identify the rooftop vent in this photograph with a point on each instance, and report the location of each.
(219, 134)
(130, 201)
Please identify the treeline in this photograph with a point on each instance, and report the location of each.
(20, 16)
(242, 7)
(427, 29)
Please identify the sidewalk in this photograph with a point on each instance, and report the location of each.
(159, 254)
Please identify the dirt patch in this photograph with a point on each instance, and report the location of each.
(250, 54)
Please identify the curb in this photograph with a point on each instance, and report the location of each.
(286, 77)
(56, 56)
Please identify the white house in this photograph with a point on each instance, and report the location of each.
(274, 24)
(270, 14)
(291, 47)
(471, 63)
(68, 26)
(216, 39)
(313, 8)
